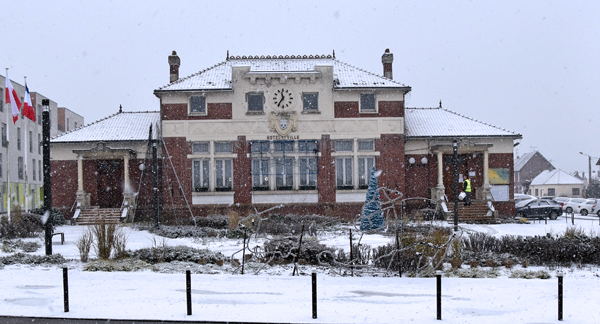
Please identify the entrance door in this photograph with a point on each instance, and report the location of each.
(110, 193)
(449, 175)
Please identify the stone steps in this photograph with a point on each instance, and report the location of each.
(90, 216)
(478, 212)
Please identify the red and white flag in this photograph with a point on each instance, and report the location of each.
(27, 107)
(11, 96)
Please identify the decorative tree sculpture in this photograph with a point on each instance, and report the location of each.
(372, 215)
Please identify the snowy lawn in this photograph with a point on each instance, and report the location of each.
(274, 295)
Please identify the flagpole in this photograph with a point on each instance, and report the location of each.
(8, 197)
(26, 147)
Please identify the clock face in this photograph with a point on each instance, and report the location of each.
(283, 97)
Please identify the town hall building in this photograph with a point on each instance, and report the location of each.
(304, 132)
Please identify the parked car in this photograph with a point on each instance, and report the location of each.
(596, 207)
(561, 200)
(521, 197)
(578, 206)
(538, 208)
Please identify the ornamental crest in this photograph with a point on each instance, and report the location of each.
(283, 122)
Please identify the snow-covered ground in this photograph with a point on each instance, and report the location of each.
(277, 296)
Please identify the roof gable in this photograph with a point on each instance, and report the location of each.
(555, 177)
(123, 126)
(440, 122)
(218, 77)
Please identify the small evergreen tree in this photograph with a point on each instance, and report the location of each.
(372, 215)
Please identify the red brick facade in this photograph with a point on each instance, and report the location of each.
(350, 109)
(180, 112)
(391, 161)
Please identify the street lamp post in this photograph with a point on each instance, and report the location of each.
(47, 176)
(589, 168)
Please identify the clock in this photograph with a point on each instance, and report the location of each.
(283, 97)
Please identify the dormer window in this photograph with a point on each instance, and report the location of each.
(198, 105)
(367, 102)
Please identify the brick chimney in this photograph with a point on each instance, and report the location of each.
(174, 62)
(387, 58)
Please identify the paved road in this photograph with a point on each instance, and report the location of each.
(52, 320)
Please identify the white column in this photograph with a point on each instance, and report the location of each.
(80, 173)
(126, 172)
(486, 176)
(440, 161)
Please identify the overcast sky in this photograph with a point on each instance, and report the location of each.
(532, 67)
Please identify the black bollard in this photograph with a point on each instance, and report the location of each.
(188, 290)
(559, 274)
(314, 294)
(438, 275)
(66, 288)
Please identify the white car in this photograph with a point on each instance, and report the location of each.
(579, 206)
(522, 197)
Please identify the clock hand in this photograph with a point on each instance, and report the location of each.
(282, 97)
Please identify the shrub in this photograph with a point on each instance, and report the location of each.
(524, 274)
(21, 225)
(177, 253)
(12, 246)
(84, 244)
(22, 258)
(286, 249)
(120, 265)
(58, 218)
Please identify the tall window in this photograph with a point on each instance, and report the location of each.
(0, 165)
(20, 167)
(198, 104)
(367, 102)
(1, 99)
(260, 174)
(223, 174)
(343, 167)
(39, 114)
(255, 102)
(39, 144)
(33, 166)
(4, 139)
(310, 102)
(40, 170)
(201, 175)
(223, 147)
(308, 164)
(284, 171)
(365, 165)
(30, 141)
(343, 146)
(19, 138)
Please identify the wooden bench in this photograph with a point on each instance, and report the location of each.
(62, 237)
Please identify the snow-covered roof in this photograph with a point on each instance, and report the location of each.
(522, 160)
(440, 122)
(555, 177)
(122, 126)
(218, 77)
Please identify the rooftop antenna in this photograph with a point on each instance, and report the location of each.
(120, 109)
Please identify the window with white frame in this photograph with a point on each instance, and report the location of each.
(198, 105)
(307, 164)
(344, 145)
(256, 102)
(40, 170)
(310, 102)
(365, 166)
(201, 174)
(366, 145)
(33, 169)
(284, 165)
(343, 171)
(200, 148)
(223, 147)
(260, 174)
(223, 174)
(367, 102)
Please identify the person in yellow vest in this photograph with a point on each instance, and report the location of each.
(467, 190)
